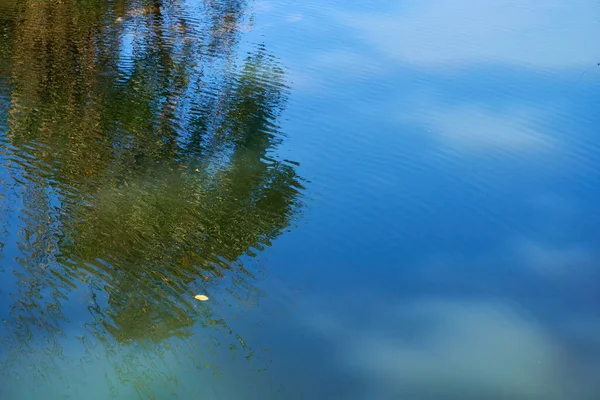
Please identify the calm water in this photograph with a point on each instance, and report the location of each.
(382, 200)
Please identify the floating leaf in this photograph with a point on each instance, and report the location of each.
(201, 297)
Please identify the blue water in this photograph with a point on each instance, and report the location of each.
(443, 243)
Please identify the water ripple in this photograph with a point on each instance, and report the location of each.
(138, 158)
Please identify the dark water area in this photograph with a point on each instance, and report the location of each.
(383, 200)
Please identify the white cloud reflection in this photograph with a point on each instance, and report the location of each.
(555, 260)
(447, 350)
(441, 33)
(472, 126)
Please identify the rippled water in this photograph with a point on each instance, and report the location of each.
(392, 200)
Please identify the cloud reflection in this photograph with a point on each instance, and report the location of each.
(434, 349)
(475, 127)
(441, 33)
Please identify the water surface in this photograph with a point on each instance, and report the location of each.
(393, 200)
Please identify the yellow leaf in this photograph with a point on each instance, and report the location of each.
(201, 297)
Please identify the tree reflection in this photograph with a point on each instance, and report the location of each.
(172, 218)
(142, 156)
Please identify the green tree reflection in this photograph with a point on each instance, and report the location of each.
(142, 150)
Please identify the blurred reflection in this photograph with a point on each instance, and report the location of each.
(444, 348)
(139, 150)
